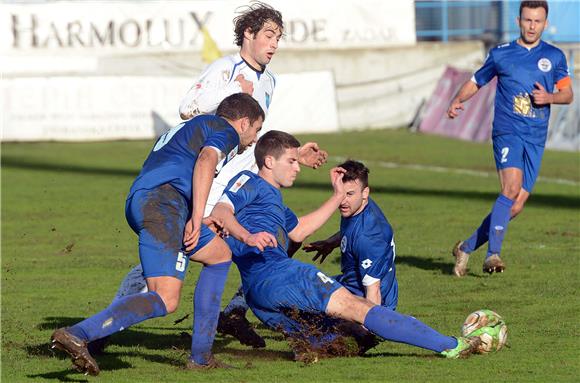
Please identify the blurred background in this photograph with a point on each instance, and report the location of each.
(108, 70)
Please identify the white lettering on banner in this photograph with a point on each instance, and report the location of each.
(123, 26)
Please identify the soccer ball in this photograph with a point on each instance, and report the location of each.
(489, 326)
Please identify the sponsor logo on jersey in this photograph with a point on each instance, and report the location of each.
(268, 100)
(523, 105)
(232, 153)
(343, 244)
(544, 64)
(366, 263)
(239, 183)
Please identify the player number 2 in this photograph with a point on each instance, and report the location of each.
(181, 261)
(504, 154)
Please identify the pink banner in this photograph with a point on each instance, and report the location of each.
(473, 123)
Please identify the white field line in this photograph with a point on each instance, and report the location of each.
(442, 169)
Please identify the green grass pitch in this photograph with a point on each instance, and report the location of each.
(66, 246)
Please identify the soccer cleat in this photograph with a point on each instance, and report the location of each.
(493, 264)
(212, 364)
(77, 349)
(461, 259)
(465, 347)
(493, 337)
(236, 325)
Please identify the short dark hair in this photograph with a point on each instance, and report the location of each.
(240, 105)
(274, 143)
(254, 17)
(355, 171)
(534, 4)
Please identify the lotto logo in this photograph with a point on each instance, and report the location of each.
(366, 263)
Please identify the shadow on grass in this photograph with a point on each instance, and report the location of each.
(549, 200)
(424, 263)
(61, 376)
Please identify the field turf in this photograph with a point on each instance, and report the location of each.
(66, 246)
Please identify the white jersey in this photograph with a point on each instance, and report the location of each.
(216, 83)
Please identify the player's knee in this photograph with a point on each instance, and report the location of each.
(517, 209)
(220, 253)
(511, 191)
(170, 299)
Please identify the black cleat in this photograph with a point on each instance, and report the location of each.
(236, 325)
(77, 349)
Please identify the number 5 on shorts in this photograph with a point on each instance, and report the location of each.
(181, 262)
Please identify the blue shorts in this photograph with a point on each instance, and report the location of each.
(510, 151)
(289, 284)
(159, 216)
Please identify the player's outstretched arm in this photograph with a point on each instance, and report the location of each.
(323, 248)
(224, 213)
(465, 93)
(309, 223)
(203, 174)
(311, 155)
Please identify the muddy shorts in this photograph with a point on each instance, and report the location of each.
(159, 216)
(289, 284)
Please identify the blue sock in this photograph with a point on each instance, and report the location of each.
(478, 238)
(500, 217)
(120, 314)
(238, 303)
(206, 302)
(396, 327)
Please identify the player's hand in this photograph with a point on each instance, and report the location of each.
(336, 175)
(541, 97)
(454, 109)
(311, 155)
(216, 225)
(191, 234)
(261, 240)
(247, 86)
(322, 248)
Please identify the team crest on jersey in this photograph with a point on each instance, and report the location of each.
(232, 153)
(544, 64)
(239, 183)
(343, 244)
(226, 74)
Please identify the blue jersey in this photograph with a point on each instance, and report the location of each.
(368, 252)
(173, 157)
(258, 207)
(517, 70)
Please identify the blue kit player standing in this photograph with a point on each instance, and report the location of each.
(527, 71)
(165, 208)
(366, 242)
(252, 211)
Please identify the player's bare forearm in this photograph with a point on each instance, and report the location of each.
(564, 96)
(225, 213)
(465, 93)
(373, 293)
(203, 175)
(311, 222)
